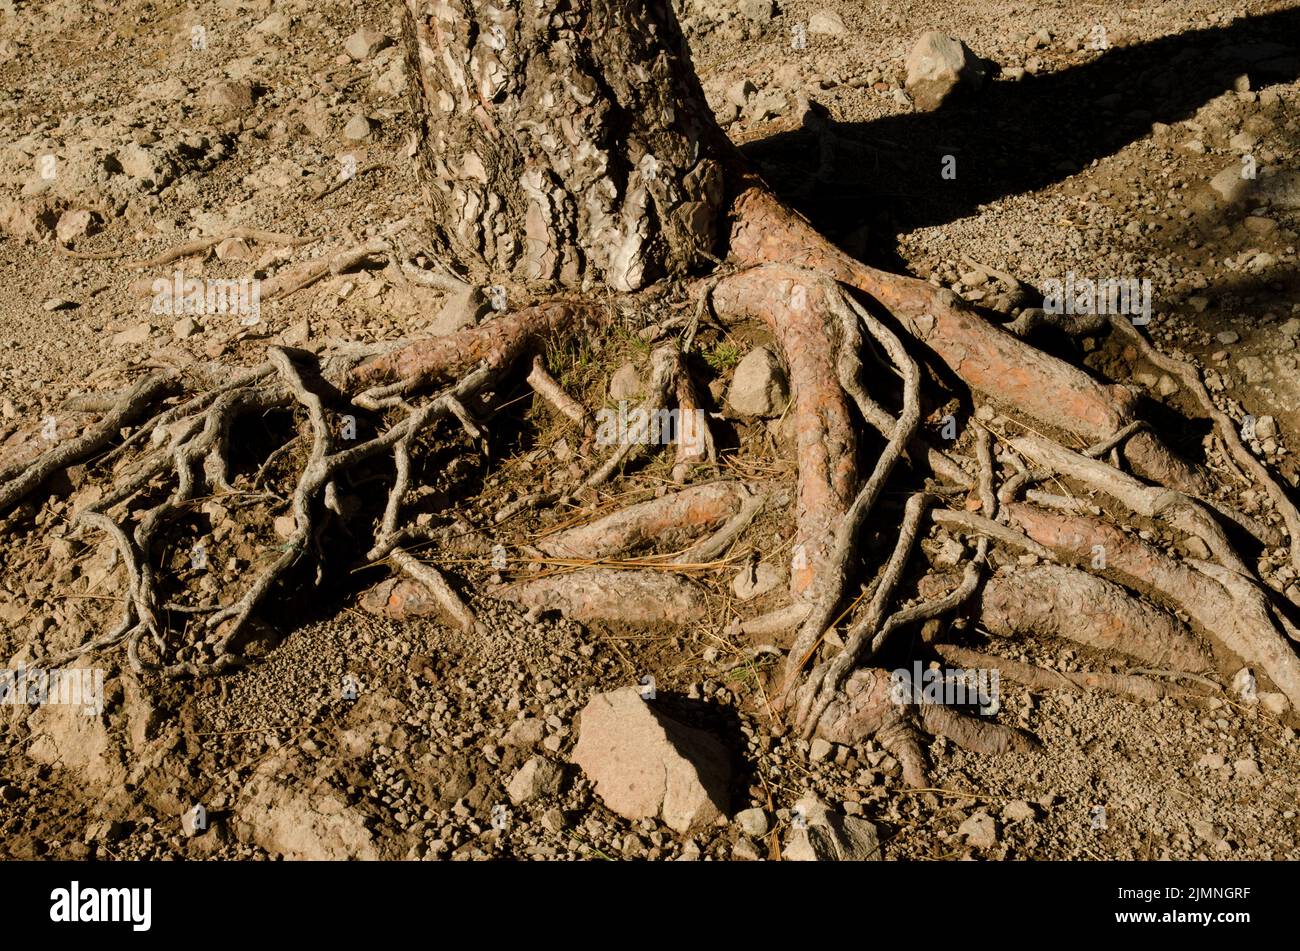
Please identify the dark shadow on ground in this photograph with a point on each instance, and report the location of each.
(1016, 137)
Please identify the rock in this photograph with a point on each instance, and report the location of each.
(753, 822)
(1212, 761)
(768, 104)
(1274, 703)
(826, 23)
(1230, 187)
(821, 835)
(1254, 369)
(646, 765)
(1258, 225)
(820, 750)
(1207, 830)
(358, 128)
(1282, 190)
(755, 581)
(745, 851)
(234, 249)
(1019, 810)
(525, 733)
(760, 11)
(738, 93)
(234, 96)
(537, 777)
(625, 384)
(460, 310)
(1227, 336)
(298, 333)
(139, 334)
(1266, 427)
(185, 328)
(74, 224)
(758, 387)
(365, 43)
(938, 67)
(301, 816)
(58, 303)
(980, 830)
(1246, 769)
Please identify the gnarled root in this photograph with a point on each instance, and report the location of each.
(876, 703)
(1224, 606)
(609, 596)
(1128, 686)
(1065, 602)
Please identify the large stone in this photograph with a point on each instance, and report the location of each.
(939, 66)
(980, 830)
(822, 835)
(75, 224)
(231, 95)
(358, 128)
(758, 387)
(646, 765)
(1282, 190)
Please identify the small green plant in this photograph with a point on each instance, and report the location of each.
(722, 356)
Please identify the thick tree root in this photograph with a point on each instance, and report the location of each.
(632, 567)
(869, 706)
(1065, 602)
(1224, 606)
(672, 522)
(609, 596)
(1128, 686)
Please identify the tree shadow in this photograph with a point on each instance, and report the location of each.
(1015, 137)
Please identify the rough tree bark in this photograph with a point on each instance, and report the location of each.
(566, 142)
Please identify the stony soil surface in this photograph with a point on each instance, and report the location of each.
(357, 735)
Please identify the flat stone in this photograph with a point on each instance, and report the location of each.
(980, 830)
(822, 835)
(647, 765)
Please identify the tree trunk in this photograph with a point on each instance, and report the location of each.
(565, 142)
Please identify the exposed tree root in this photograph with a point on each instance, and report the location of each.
(672, 522)
(860, 437)
(1068, 603)
(1129, 686)
(610, 596)
(868, 706)
(1224, 606)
